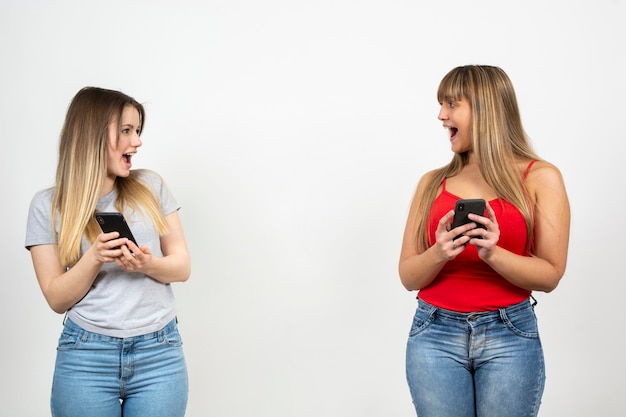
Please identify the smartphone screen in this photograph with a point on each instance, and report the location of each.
(115, 222)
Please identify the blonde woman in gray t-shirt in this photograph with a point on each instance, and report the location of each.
(120, 352)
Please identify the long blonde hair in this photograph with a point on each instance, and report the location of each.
(498, 141)
(82, 168)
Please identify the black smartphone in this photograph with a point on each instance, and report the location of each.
(115, 222)
(464, 207)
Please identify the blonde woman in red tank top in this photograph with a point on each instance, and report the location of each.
(474, 347)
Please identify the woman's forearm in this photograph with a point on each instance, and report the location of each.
(63, 287)
(419, 270)
(531, 273)
(172, 268)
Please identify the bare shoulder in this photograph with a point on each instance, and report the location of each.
(426, 179)
(544, 177)
(424, 182)
(544, 171)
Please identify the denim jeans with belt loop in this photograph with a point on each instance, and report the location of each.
(486, 364)
(103, 376)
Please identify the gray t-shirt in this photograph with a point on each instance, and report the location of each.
(119, 303)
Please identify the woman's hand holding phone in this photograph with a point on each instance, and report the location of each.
(471, 225)
(120, 244)
(451, 241)
(485, 240)
(133, 258)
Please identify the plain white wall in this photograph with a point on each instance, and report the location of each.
(293, 134)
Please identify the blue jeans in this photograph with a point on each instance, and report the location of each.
(475, 364)
(102, 376)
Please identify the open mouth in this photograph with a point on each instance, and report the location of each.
(127, 157)
(453, 132)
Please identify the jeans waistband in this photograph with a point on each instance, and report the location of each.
(483, 315)
(72, 327)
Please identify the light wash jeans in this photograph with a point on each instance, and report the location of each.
(102, 376)
(486, 364)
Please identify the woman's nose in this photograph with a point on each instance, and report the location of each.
(136, 142)
(442, 114)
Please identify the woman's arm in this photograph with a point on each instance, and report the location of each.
(418, 269)
(542, 271)
(64, 287)
(174, 266)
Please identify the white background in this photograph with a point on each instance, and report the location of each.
(293, 134)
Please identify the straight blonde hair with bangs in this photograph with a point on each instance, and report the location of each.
(498, 142)
(82, 168)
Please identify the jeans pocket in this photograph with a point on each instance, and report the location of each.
(421, 320)
(172, 339)
(523, 323)
(68, 341)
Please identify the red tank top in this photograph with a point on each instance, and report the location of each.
(466, 283)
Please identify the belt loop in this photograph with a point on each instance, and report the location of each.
(534, 301)
(502, 312)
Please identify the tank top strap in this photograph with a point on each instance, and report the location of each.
(530, 165)
(443, 184)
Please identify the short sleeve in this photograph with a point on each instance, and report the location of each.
(39, 229)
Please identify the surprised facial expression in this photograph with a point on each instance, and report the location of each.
(456, 115)
(123, 143)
